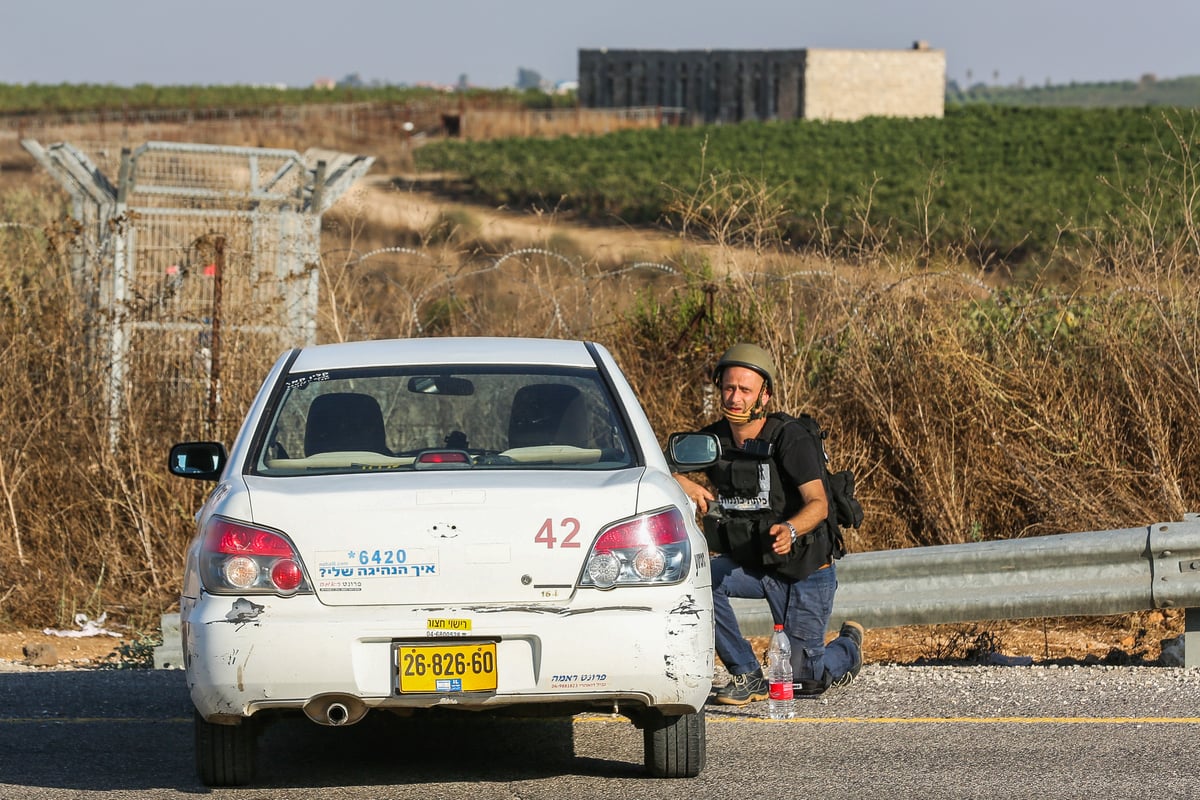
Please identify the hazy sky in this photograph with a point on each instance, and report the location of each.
(268, 41)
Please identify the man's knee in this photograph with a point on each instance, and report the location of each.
(721, 567)
(731, 580)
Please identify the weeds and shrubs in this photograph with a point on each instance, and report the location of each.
(972, 643)
(969, 410)
(135, 654)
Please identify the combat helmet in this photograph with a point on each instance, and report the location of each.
(750, 356)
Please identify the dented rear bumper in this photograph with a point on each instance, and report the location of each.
(651, 647)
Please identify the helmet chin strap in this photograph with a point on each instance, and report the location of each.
(735, 417)
(757, 411)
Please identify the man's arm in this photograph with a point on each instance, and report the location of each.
(811, 514)
(698, 494)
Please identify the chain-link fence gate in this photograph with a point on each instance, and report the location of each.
(197, 265)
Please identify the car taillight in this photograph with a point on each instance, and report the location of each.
(442, 459)
(650, 549)
(244, 559)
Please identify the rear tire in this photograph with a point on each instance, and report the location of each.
(225, 753)
(674, 744)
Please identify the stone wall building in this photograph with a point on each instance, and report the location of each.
(734, 85)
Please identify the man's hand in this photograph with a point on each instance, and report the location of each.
(782, 534)
(698, 494)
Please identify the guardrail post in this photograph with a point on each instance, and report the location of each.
(169, 655)
(1191, 637)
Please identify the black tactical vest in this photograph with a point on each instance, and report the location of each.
(750, 499)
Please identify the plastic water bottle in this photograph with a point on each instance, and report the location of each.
(780, 701)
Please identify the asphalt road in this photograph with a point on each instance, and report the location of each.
(897, 732)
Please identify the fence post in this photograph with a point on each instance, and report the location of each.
(214, 370)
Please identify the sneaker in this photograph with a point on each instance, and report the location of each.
(854, 632)
(743, 689)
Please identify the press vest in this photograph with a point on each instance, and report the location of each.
(752, 495)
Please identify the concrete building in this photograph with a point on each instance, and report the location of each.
(734, 85)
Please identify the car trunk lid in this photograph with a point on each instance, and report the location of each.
(445, 538)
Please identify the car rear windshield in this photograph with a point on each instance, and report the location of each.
(442, 418)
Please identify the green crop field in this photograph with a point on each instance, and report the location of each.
(998, 182)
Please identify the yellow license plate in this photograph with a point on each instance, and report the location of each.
(443, 668)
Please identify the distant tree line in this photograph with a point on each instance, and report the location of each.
(532, 92)
(1147, 91)
(54, 98)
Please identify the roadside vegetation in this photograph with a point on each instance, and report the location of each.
(971, 405)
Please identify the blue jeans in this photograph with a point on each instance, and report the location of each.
(804, 608)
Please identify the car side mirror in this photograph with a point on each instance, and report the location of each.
(202, 461)
(688, 452)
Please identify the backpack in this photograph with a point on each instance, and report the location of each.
(845, 511)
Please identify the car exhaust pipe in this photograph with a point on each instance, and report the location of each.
(337, 714)
(335, 710)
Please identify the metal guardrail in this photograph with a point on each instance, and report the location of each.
(1096, 573)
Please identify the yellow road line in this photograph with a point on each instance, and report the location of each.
(934, 720)
(984, 720)
(720, 720)
(91, 720)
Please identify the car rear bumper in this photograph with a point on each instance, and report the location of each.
(654, 650)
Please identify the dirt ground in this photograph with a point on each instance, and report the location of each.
(82, 652)
(396, 204)
(413, 204)
(1126, 639)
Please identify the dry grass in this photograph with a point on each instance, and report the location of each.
(970, 410)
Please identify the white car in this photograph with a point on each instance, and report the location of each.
(443, 525)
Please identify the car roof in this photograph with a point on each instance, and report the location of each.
(444, 350)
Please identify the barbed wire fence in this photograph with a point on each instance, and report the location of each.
(183, 307)
(192, 256)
